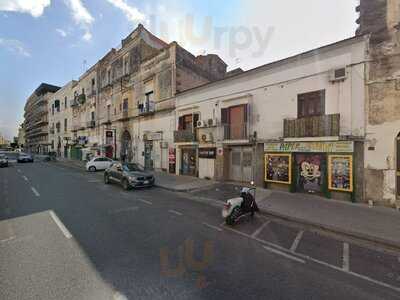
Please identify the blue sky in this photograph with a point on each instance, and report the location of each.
(49, 40)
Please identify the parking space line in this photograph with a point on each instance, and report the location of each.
(284, 254)
(18, 170)
(175, 212)
(60, 225)
(35, 191)
(297, 241)
(212, 226)
(145, 201)
(25, 178)
(257, 232)
(346, 257)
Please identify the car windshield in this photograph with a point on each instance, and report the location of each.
(132, 168)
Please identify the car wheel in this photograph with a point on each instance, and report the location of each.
(106, 179)
(125, 185)
(92, 169)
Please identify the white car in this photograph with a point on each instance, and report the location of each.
(99, 163)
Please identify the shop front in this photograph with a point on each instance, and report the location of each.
(321, 168)
(188, 161)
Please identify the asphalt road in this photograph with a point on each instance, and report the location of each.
(66, 235)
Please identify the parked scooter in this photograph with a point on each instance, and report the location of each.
(236, 208)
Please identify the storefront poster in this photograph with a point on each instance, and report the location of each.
(209, 153)
(278, 168)
(311, 173)
(340, 174)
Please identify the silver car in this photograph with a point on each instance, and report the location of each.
(3, 160)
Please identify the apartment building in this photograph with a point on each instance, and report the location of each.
(36, 119)
(296, 124)
(59, 120)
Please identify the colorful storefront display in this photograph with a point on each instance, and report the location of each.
(278, 168)
(340, 174)
(310, 167)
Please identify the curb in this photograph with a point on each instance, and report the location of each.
(334, 229)
(329, 228)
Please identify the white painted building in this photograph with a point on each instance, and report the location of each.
(308, 107)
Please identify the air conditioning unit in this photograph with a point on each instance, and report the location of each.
(211, 122)
(339, 74)
(201, 124)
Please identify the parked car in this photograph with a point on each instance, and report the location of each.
(129, 175)
(12, 157)
(3, 160)
(99, 163)
(24, 157)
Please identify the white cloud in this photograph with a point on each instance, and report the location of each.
(81, 16)
(130, 12)
(33, 7)
(15, 46)
(61, 32)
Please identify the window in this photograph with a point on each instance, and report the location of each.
(125, 104)
(65, 125)
(52, 109)
(234, 122)
(58, 125)
(92, 115)
(188, 122)
(65, 102)
(108, 76)
(311, 104)
(108, 111)
(93, 85)
(83, 91)
(149, 97)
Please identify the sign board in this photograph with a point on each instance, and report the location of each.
(152, 136)
(210, 153)
(330, 147)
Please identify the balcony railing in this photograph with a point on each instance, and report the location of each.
(184, 136)
(235, 131)
(146, 107)
(318, 126)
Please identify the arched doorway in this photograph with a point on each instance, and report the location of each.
(126, 146)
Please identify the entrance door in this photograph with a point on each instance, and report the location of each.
(126, 147)
(148, 159)
(240, 164)
(189, 165)
(311, 172)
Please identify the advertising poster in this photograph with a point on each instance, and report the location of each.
(278, 168)
(341, 173)
(311, 173)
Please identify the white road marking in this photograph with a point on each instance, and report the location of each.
(175, 212)
(18, 170)
(117, 211)
(257, 232)
(212, 226)
(292, 257)
(346, 257)
(25, 178)
(35, 191)
(8, 239)
(145, 201)
(119, 296)
(94, 181)
(60, 225)
(296, 241)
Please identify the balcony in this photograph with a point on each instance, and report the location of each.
(146, 108)
(234, 132)
(91, 124)
(318, 126)
(184, 136)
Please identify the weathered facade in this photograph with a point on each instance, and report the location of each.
(36, 119)
(380, 19)
(60, 120)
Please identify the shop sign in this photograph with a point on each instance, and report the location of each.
(207, 153)
(152, 136)
(330, 147)
(278, 168)
(340, 173)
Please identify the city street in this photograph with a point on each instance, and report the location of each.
(64, 234)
